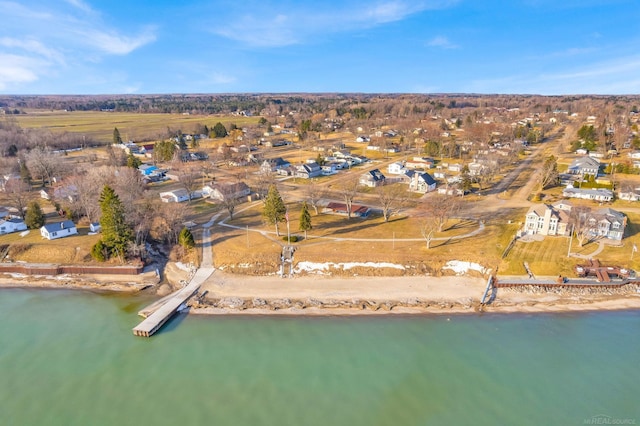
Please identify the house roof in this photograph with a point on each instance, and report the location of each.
(56, 226)
(341, 207)
(585, 163)
(375, 175)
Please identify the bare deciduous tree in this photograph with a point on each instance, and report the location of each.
(428, 228)
(314, 193)
(18, 194)
(189, 179)
(348, 190)
(392, 198)
(440, 208)
(581, 224)
(43, 163)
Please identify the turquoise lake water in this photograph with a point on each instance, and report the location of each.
(70, 358)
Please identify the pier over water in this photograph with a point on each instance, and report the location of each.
(172, 303)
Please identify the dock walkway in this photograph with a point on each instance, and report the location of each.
(162, 314)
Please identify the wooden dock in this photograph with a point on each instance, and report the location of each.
(161, 315)
(158, 315)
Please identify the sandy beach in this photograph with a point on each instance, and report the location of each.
(232, 294)
(321, 295)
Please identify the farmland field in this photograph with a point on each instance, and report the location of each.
(99, 126)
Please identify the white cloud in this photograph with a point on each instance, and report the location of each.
(115, 44)
(15, 69)
(80, 5)
(40, 38)
(442, 42)
(273, 25)
(616, 76)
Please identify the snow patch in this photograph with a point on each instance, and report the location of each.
(461, 268)
(322, 268)
(183, 267)
(24, 233)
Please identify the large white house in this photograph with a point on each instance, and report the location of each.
(554, 219)
(52, 231)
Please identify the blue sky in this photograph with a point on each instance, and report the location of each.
(388, 46)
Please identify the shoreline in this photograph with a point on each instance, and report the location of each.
(316, 296)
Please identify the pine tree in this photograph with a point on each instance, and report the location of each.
(98, 251)
(25, 174)
(116, 136)
(34, 217)
(305, 219)
(465, 177)
(274, 209)
(133, 161)
(219, 130)
(185, 239)
(116, 233)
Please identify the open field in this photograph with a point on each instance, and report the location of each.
(132, 126)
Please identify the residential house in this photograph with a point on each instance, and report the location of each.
(273, 164)
(451, 189)
(95, 227)
(341, 209)
(629, 194)
(420, 182)
(52, 231)
(555, 220)
(372, 178)
(12, 224)
(584, 166)
(419, 163)
(308, 170)
(547, 219)
(329, 169)
(396, 168)
(599, 194)
(147, 169)
(455, 167)
(4, 212)
(607, 223)
(227, 191)
(175, 196)
(362, 139)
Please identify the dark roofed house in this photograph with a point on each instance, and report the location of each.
(420, 182)
(274, 164)
(308, 170)
(372, 178)
(341, 209)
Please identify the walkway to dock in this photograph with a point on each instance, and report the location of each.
(162, 314)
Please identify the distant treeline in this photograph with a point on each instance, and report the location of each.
(256, 104)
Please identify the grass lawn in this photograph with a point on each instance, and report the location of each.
(34, 248)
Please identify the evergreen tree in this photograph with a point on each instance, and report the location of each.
(116, 136)
(274, 209)
(116, 233)
(133, 161)
(34, 217)
(465, 177)
(305, 219)
(98, 251)
(219, 130)
(164, 150)
(25, 174)
(185, 239)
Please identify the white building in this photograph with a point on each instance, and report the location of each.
(52, 231)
